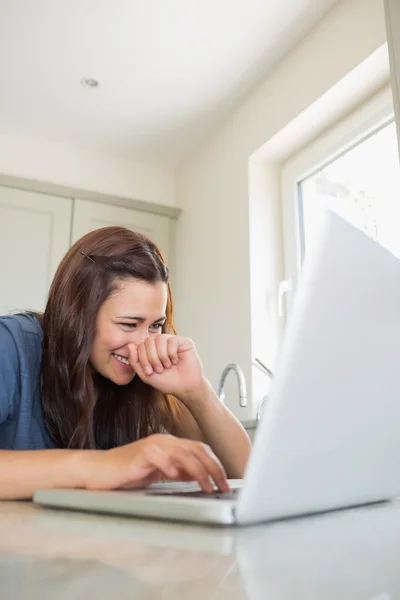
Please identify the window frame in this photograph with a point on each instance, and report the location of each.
(356, 127)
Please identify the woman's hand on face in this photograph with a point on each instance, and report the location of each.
(169, 363)
(156, 457)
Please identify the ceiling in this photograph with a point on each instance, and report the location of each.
(168, 70)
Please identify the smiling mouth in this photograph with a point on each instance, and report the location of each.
(121, 359)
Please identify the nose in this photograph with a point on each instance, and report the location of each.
(140, 336)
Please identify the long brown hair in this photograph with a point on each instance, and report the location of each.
(82, 409)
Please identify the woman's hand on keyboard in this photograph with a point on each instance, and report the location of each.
(153, 458)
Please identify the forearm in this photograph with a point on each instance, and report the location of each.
(22, 472)
(221, 430)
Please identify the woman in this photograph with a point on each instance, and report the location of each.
(90, 389)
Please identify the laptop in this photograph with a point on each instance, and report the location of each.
(329, 437)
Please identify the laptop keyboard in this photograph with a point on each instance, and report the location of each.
(231, 495)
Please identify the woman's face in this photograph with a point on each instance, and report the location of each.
(135, 311)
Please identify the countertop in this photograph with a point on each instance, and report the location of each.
(57, 555)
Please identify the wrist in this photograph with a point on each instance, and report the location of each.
(203, 394)
(82, 466)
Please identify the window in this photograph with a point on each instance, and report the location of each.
(362, 185)
(354, 170)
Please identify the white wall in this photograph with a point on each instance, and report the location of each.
(214, 278)
(44, 160)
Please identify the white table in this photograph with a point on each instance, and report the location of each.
(58, 555)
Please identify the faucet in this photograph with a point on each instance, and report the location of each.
(260, 409)
(264, 369)
(241, 381)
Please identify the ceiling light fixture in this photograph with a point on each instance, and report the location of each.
(89, 82)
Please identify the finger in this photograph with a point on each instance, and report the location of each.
(183, 476)
(143, 359)
(161, 342)
(161, 460)
(152, 355)
(133, 354)
(154, 477)
(135, 362)
(187, 462)
(172, 345)
(212, 464)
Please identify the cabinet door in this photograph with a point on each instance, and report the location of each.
(34, 236)
(92, 215)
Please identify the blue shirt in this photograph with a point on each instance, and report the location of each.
(22, 425)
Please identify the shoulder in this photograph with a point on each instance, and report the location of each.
(18, 328)
(24, 322)
(20, 351)
(21, 339)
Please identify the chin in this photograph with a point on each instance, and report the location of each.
(121, 380)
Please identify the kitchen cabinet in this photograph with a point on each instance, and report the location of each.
(34, 236)
(90, 215)
(36, 230)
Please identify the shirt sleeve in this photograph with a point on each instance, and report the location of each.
(9, 373)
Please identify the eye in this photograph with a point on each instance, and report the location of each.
(156, 326)
(129, 325)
